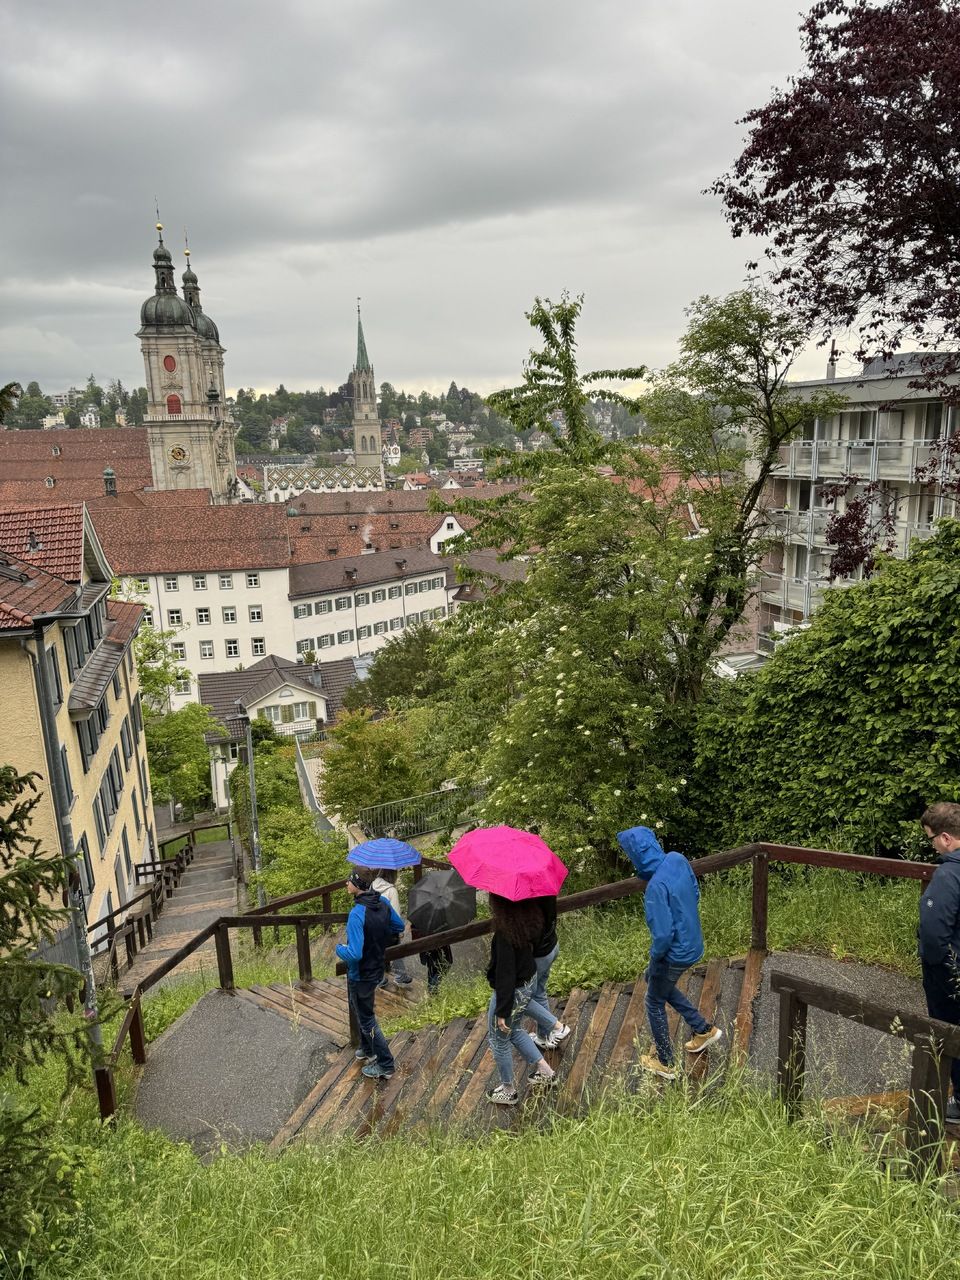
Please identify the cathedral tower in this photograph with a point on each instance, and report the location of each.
(189, 430)
(366, 419)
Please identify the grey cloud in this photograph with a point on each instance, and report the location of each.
(445, 161)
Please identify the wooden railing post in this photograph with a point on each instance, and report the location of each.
(758, 915)
(106, 1091)
(138, 1039)
(792, 1051)
(224, 958)
(304, 959)
(929, 1085)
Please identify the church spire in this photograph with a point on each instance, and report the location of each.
(363, 364)
(163, 265)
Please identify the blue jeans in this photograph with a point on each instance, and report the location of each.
(662, 990)
(941, 986)
(502, 1044)
(541, 1009)
(373, 1042)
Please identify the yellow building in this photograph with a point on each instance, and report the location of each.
(70, 704)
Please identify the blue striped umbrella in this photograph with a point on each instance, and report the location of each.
(385, 852)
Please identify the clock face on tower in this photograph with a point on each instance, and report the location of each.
(169, 363)
(178, 453)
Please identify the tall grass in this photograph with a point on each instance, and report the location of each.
(648, 1186)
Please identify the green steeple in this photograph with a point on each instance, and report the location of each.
(363, 364)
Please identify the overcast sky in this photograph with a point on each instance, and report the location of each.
(445, 161)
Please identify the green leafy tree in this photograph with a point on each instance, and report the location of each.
(72, 418)
(179, 756)
(369, 762)
(276, 776)
(721, 414)
(36, 1172)
(402, 671)
(296, 856)
(94, 392)
(159, 671)
(10, 394)
(851, 728)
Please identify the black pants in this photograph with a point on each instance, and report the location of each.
(941, 985)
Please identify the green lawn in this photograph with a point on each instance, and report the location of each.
(657, 1186)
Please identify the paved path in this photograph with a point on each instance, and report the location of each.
(207, 890)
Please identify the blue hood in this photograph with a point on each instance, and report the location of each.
(643, 849)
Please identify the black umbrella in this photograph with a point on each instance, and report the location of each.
(440, 900)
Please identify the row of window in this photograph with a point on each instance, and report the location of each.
(286, 713)
(258, 647)
(85, 862)
(171, 581)
(364, 633)
(362, 598)
(227, 612)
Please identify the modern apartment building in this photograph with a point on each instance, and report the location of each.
(70, 701)
(885, 432)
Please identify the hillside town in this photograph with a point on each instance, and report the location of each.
(539, 802)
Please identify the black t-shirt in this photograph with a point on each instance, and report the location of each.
(548, 939)
(510, 967)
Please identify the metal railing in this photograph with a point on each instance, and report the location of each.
(872, 459)
(420, 815)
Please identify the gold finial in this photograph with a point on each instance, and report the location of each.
(159, 226)
(186, 246)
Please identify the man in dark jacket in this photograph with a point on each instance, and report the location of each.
(371, 927)
(939, 932)
(672, 909)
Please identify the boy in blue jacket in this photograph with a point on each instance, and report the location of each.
(672, 909)
(371, 927)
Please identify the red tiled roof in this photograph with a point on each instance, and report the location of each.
(51, 538)
(152, 498)
(28, 592)
(313, 537)
(74, 460)
(125, 616)
(248, 536)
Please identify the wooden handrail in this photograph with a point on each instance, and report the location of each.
(934, 1044)
(759, 853)
(294, 899)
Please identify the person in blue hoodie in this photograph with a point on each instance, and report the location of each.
(672, 909)
(939, 933)
(371, 927)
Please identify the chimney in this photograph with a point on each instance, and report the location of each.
(368, 549)
(110, 482)
(401, 564)
(33, 542)
(351, 574)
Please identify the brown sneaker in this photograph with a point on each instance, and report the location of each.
(698, 1043)
(650, 1062)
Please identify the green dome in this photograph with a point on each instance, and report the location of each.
(166, 309)
(205, 326)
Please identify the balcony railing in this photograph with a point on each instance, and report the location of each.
(872, 459)
(420, 815)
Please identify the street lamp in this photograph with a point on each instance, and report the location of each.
(244, 719)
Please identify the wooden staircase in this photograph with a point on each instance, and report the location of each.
(443, 1072)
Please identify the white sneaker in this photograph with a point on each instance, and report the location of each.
(540, 1041)
(501, 1096)
(557, 1035)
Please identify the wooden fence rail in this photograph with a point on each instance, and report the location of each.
(934, 1044)
(760, 855)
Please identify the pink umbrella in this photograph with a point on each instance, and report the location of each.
(515, 864)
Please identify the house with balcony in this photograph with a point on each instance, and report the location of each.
(70, 702)
(297, 699)
(887, 434)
